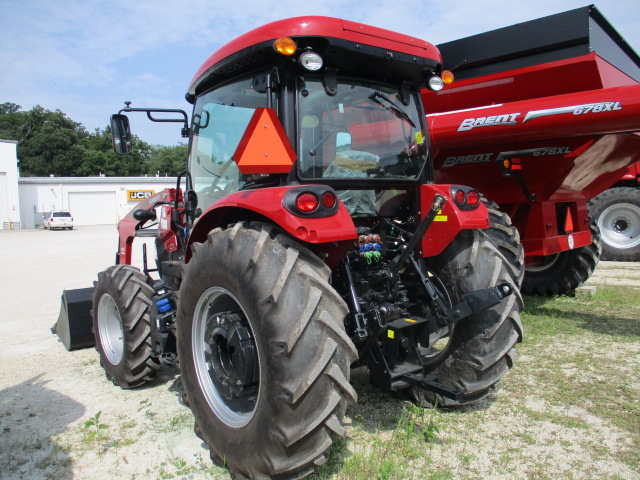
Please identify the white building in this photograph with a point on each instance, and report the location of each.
(91, 200)
(9, 196)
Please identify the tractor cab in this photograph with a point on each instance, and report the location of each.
(349, 111)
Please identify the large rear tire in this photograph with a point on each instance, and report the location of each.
(481, 348)
(121, 323)
(563, 272)
(507, 239)
(264, 358)
(617, 213)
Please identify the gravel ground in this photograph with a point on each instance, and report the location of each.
(60, 418)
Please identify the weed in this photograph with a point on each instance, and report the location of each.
(95, 428)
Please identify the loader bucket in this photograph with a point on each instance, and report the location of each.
(75, 324)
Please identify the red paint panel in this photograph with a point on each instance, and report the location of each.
(267, 202)
(449, 221)
(324, 27)
(595, 112)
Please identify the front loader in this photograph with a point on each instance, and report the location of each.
(307, 237)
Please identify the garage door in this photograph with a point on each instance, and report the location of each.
(93, 208)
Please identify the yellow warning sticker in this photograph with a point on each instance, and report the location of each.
(391, 334)
(440, 218)
(419, 138)
(409, 320)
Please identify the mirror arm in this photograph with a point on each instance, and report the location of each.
(150, 111)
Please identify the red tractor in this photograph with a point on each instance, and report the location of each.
(544, 116)
(309, 237)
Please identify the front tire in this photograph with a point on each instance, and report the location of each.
(122, 326)
(263, 353)
(481, 349)
(617, 213)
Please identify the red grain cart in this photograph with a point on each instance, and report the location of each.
(543, 117)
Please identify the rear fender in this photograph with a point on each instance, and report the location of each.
(449, 221)
(332, 232)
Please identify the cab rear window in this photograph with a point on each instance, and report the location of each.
(61, 214)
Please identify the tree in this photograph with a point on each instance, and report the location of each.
(101, 159)
(168, 160)
(48, 142)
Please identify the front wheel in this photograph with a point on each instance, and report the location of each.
(122, 326)
(263, 353)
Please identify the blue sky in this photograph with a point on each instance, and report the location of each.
(85, 57)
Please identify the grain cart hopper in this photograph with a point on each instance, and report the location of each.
(306, 236)
(542, 117)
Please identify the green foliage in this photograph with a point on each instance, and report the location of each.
(50, 143)
(94, 427)
(168, 160)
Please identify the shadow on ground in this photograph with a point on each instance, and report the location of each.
(31, 415)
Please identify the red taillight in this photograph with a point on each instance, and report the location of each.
(473, 198)
(307, 202)
(465, 198)
(328, 200)
(51, 219)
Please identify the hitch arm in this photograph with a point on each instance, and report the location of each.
(424, 225)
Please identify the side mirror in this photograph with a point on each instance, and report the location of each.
(121, 133)
(192, 200)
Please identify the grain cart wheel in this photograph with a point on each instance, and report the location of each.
(121, 324)
(563, 272)
(507, 238)
(481, 348)
(264, 357)
(617, 213)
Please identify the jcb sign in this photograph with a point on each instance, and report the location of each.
(137, 195)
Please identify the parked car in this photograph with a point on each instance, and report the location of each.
(57, 219)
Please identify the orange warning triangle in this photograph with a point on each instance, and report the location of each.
(264, 147)
(568, 222)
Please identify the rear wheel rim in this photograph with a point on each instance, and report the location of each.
(225, 357)
(110, 329)
(548, 262)
(620, 225)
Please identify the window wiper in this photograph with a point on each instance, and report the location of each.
(392, 107)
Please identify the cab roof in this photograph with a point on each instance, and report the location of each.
(260, 39)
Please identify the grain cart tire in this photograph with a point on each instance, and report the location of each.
(617, 213)
(121, 323)
(481, 349)
(264, 357)
(563, 272)
(507, 238)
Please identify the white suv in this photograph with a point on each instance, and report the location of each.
(55, 219)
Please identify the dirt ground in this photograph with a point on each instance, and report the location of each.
(59, 416)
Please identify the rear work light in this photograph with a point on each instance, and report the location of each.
(466, 198)
(288, 47)
(437, 82)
